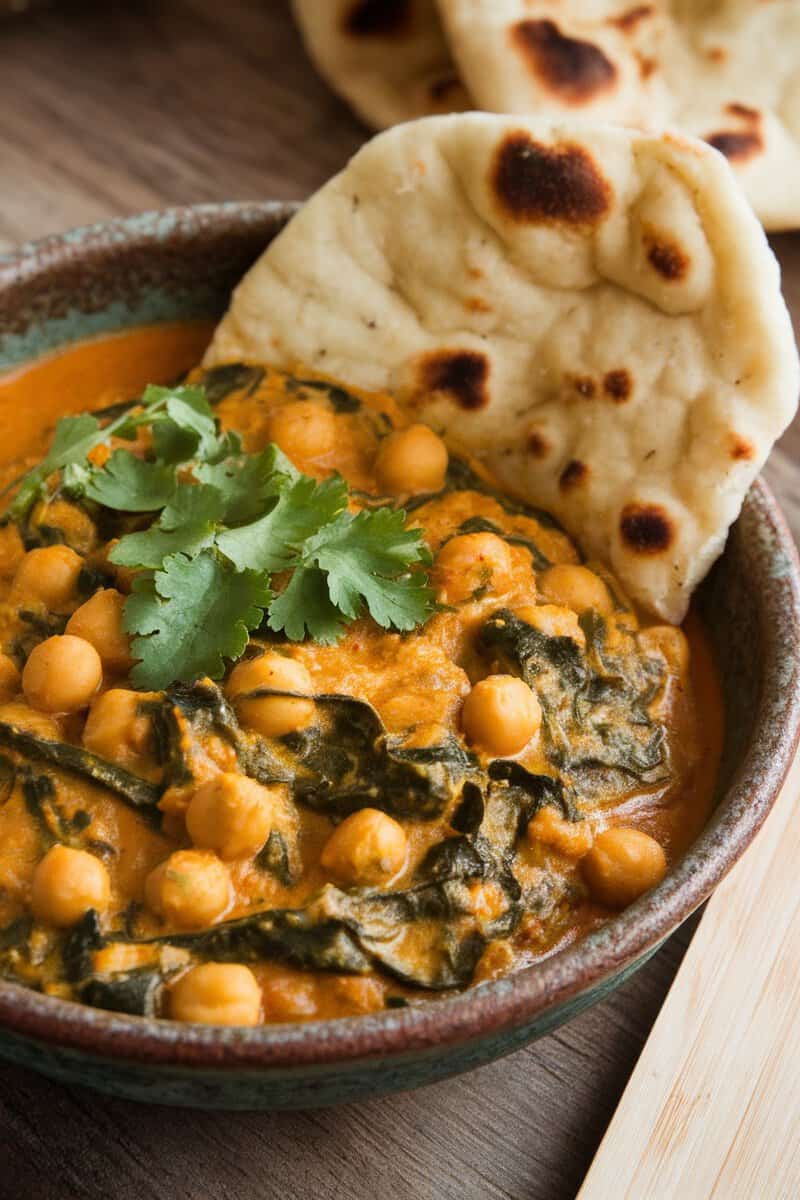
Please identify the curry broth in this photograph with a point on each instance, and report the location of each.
(416, 684)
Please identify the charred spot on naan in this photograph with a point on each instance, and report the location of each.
(628, 21)
(576, 71)
(378, 18)
(618, 384)
(738, 145)
(741, 448)
(574, 474)
(751, 115)
(537, 444)
(462, 375)
(646, 65)
(666, 256)
(535, 183)
(646, 528)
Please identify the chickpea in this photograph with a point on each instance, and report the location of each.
(9, 677)
(271, 716)
(469, 562)
(77, 528)
(99, 621)
(553, 621)
(66, 884)
(411, 461)
(217, 994)
(117, 729)
(671, 643)
(303, 430)
(190, 890)
(622, 865)
(571, 838)
(124, 577)
(366, 849)
(359, 993)
(575, 587)
(49, 575)
(12, 550)
(290, 998)
(231, 814)
(62, 674)
(501, 714)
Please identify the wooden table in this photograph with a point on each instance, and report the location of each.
(109, 109)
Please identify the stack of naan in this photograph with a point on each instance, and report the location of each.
(725, 71)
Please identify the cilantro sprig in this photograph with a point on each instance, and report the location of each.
(222, 524)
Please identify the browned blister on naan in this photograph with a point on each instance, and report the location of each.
(594, 312)
(725, 72)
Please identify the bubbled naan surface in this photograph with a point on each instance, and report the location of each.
(595, 312)
(725, 71)
(387, 58)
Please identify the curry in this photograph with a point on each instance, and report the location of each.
(331, 824)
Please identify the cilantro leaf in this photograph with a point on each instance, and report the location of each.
(222, 522)
(366, 558)
(193, 503)
(187, 525)
(302, 510)
(305, 606)
(73, 439)
(130, 484)
(247, 481)
(150, 547)
(190, 616)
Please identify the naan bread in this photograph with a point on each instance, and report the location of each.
(387, 58)
(595, 312)
(726, 71)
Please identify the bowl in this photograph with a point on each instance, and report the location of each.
(182, 264)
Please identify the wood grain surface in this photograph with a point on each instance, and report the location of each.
(110, 108)
(714, 1112)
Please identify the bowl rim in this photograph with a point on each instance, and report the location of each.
(493, 1007)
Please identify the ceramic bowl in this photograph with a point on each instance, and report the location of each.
(183, 263)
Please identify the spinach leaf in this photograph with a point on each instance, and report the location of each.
(137, 792)
(597, 726)
(340, 400)
(355, 932)
(275, 859)
(220, 382)
(353, 762)
(138, 992)
(79, 946)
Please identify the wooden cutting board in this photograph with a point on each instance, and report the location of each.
(713, 1106)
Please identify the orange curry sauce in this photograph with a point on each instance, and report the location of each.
(417, 684)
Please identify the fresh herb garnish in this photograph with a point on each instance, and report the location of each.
(223, 523)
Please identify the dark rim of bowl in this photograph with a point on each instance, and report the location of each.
(489, 1008)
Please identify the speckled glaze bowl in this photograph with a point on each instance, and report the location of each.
(183, 263)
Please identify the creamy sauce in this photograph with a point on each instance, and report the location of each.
(417, 684)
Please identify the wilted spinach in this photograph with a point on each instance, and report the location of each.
(598, 729)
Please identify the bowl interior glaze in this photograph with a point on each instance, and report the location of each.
(183, 264)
